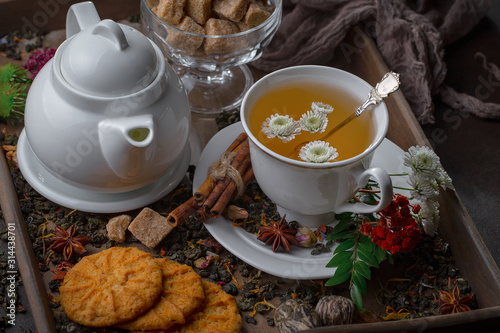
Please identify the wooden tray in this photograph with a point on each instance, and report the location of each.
(471, 254)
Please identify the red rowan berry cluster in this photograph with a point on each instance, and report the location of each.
(397, 230)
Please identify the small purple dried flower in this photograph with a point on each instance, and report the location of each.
(38, 59)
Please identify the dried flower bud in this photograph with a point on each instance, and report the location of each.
(201, 263)
(233, 212)
(306, 237)
(295, 315)
(305, 240)
(336, 310)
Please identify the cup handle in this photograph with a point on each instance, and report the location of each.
(385, 183)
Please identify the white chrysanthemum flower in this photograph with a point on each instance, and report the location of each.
(423, 188)
(318, 152)
(444, 180)
(430, 216)
(282, 127)
(322, 107)
(423, 161)
(314, 122)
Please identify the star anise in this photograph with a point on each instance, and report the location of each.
(278, 234)
(452, 302)
(66, 242)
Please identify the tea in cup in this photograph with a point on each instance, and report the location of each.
(310, 177)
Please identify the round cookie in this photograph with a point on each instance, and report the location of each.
(111, 287)
(218, 313)
(182, 294)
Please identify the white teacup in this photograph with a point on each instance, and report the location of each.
(311, 193)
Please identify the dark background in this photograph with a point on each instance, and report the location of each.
(469, 146)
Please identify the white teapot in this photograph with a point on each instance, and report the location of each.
(107, 119)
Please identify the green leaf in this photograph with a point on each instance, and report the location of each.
(341, 275)
(341, 235)
(390, 259)
(343, 225)
(344, 246)
(362, 268)
(368, 258)
(360, 282)
(340, 259)
(356, 297)
(380, 254)
(365, 248)
(367, 245)
(368, 199)
(340, 227)
(370, 217)
(343, 216)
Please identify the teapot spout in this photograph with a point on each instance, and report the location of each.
(128, 144)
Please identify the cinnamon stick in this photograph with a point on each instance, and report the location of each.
(238, 141)
(229, 194)
(182, 212)
(240, 162)
(209, 192)
(208, 185)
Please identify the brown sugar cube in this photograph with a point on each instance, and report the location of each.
(199, 10)
(185, 42)
(233, 10)
(216, 27)
(256, 13)
(116, 227)
(243, 26)
(170, 11)
(153, 3)
(149, 227)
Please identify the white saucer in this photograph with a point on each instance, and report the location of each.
(299, 263)
(68, 195)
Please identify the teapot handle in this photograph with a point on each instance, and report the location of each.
(80, 16)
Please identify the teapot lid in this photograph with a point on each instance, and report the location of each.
(108, 60)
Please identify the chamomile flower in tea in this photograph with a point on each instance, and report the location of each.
(318, 152)
(282, 127)
(322, 107)
(314, 122)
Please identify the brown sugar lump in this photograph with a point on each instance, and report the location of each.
(233, 10)
(182, 294)
(185, 42)
(153, 3)
(243, 26)
(199, 10)
(117, 226)
(217, 313)
(149, 227)
(170, 11)
(111, 287)
(216, 27)
(256, 13)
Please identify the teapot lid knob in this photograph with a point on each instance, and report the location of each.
(107, 59)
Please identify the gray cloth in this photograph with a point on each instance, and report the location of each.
(410, 35)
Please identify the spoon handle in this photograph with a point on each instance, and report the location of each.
(386, 86)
